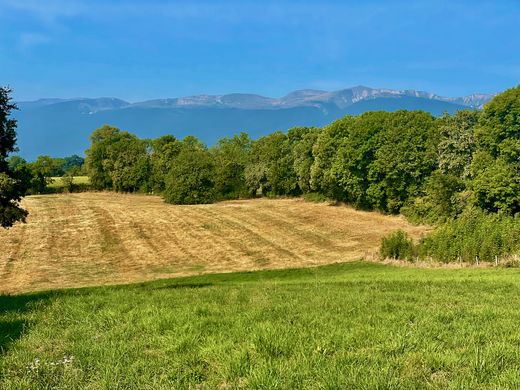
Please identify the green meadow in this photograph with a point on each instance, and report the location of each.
(57, 182)
(350, 325)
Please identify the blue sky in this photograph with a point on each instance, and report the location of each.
(140, 50)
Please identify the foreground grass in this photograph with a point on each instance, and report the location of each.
(350, 325)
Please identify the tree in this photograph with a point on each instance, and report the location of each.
(405, 157)
(191, 178)
(272, 166)
(356, 152)
(16, 163)
(68, 178)
(500, 121)
(118, 160)
(495, 184)
(128, 164)
(302, 140)
(444, 194)
(324, 152)
(442, 199)
(97, 156)
(457, 142)
(11, 188)
(231, 157)
(73, 161)
(42, 170)
(495, 167)
(164, 150)
(21, 171)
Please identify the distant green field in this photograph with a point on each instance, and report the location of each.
(353, 325)
(57, 182)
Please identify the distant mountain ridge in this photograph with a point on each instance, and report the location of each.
(61, 126)
(305, 97)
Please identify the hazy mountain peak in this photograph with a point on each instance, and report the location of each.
(303, 93)
(246, 100)
(83, 105)
(69, 122)
(340, 99)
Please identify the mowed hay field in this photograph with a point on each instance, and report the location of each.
(87, 239)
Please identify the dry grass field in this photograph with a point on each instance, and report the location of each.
(87, 239)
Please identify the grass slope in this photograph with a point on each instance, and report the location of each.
(352, 325)
(88, 239)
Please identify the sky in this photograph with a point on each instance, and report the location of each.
(138, 50)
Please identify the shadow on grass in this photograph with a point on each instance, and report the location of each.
(14, 314)
(184, 285)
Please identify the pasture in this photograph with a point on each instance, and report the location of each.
(350, 325)
(57, 182)
(88, 239)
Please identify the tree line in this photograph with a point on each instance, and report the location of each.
(36, 176)
(430, 169)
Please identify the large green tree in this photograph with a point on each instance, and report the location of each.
(496, 164)
(128, 164)
(444, 194)
(12, 189)
(117, 160)
(457, 142)
(324, 152)
(164, 151)
(271, 169)
(191, 179)
(405, 157)
(375, 160)
(231, 156)
(302, 140)
(356, 152)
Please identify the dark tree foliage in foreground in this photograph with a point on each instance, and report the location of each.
(12, 189)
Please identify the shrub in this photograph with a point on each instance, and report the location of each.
(474, 234)
(397, 245)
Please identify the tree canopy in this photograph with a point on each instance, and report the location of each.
(496, 163)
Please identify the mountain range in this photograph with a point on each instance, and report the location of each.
(60, 127)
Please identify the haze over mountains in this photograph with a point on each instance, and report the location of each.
(60, 127)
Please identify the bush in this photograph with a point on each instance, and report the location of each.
(443, 199)
(474, 234)
(190, 180)
(397, 245)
